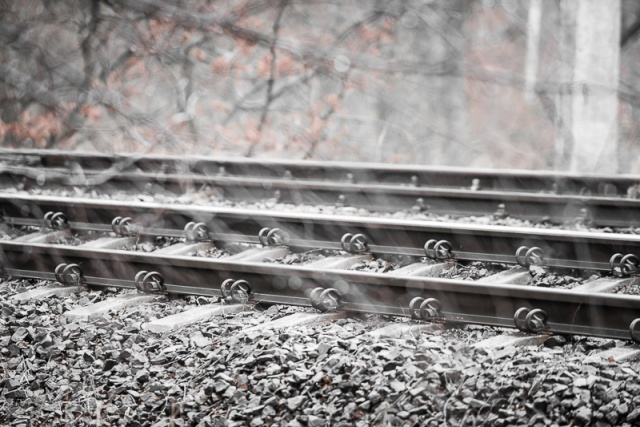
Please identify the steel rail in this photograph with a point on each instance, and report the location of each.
(378, 173)
(536, 207)
(549, 247)
(454, 301)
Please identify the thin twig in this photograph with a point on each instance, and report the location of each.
(271, 81)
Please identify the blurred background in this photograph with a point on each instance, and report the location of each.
(535, 84)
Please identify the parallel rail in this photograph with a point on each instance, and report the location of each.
(594, 199)
(535, 196)
(452, 301)
(359, 173)
(554, 248)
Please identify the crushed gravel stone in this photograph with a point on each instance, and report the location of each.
(113, 372)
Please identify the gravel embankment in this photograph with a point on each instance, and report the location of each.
(113, 372)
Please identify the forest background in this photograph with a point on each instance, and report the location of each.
(438, 82)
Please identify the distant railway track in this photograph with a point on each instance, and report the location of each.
(536, 196)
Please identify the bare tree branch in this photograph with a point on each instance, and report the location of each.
(271, 81)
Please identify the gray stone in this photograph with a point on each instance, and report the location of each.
(314, 421)
(555, 341)
(583, 414)
(142, 376)
(398, 386)
(109, 364)
(421, 410)
(300, 375)
(366, 405)
(20, 335)
(634, 416)
(198, 340)
(623, 409)
(404, 414)
(374, 397)
(230, 391)
(612, 416)
(16, 394)
(609, 395)
(268, 411)
(476, 403)
(273, 369)
(10, 384)
(294, 403)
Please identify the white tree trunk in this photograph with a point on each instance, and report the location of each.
(533, 44)
(587, 122)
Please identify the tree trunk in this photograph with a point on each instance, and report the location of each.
(9, 104)
(446, 95)
(587, 102)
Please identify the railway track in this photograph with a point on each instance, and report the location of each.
(431, 299)
(605, 201)
(290, 293)
(436, 240)
(428, 176)
(239, 281)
